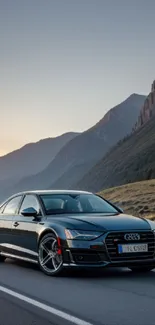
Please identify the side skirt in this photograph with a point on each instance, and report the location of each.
(19, 257)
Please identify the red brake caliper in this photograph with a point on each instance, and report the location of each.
(59, 251)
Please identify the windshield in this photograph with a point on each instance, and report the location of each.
(75, 203)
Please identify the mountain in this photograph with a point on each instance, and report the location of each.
(83, 152)
(112, 127)
(147, 110)
(131, 160)
(32, 157)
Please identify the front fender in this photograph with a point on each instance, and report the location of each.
(58, 230)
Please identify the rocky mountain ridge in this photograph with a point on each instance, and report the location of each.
(147, 110)
(131, 160)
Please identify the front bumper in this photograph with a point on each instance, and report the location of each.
(118, 264)
(103, 252)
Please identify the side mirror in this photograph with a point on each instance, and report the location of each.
(29, 212)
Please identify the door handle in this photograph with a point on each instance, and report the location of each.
(16, 224)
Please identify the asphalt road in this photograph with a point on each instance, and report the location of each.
(111, 297)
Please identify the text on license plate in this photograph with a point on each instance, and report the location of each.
(132, 248)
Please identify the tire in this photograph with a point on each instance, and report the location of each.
(2, 258)
(50, 257)
(142, 269)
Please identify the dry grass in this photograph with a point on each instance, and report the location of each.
(135, 198)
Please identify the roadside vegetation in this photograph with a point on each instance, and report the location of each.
(134, 198)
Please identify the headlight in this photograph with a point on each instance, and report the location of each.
(81, 234)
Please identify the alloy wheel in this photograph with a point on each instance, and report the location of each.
(50, 255)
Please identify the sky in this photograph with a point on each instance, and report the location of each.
(65, 63)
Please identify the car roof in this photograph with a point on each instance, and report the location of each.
(40, 192)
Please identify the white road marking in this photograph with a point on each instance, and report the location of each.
(51, 310)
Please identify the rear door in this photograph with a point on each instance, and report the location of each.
(25, 229)
(7, 214)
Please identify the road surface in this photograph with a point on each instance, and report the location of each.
(111, 297)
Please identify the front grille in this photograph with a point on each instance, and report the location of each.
(115, 238)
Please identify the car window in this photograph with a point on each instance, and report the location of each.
(53, 203)
(12, 206)
(75, 203)
(30, 201)
(97, 204)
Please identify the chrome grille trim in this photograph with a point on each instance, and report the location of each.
(146, 237)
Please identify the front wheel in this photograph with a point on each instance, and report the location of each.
(142, 269)
(50, 255)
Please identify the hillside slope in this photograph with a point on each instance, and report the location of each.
(135, 198)
(32, 157)
(71, 176)
(113, 126)
(87, 148)
(129, 161)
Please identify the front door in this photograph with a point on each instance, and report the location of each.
(24, 230)
(7, 213)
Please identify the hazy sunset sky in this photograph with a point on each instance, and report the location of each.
(64, 63)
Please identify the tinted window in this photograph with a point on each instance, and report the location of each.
(30, 201)
(75, 203)
(12, 206)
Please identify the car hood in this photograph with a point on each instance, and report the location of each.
(103, 222)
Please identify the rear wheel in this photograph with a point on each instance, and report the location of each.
(142, 268)
(50, 255)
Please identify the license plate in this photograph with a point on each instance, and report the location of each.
(132, 248)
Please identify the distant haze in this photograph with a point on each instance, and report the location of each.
(64, 63)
